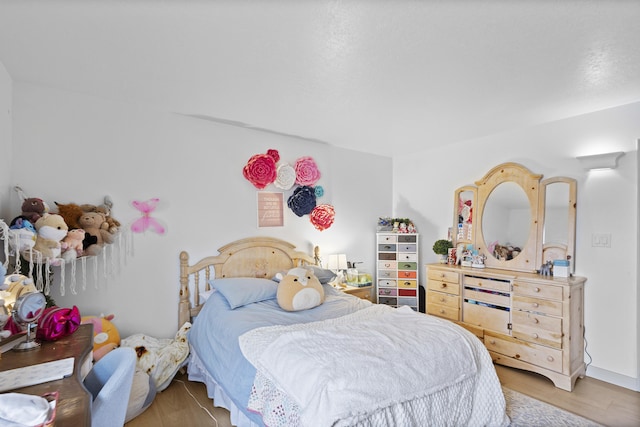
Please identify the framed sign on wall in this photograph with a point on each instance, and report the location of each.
(270, 209)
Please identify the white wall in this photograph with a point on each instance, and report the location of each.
(607, 203)
(6, 88)
(82, 148)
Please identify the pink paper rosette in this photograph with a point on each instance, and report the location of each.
(307, 172)
(261, 170)
(322, 216)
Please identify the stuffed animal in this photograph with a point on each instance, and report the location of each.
(71, 213)
(111, 224)
(72, 244)
(300, 289)
(51, 229)
(22, 234)
(4, 313)
(96, 236)
(14, 286)
(105, 334)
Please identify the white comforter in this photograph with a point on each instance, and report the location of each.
(378, 366)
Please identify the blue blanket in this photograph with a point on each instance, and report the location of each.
(214, 336)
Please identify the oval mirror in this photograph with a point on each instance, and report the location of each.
(505, 222)
(29, 307)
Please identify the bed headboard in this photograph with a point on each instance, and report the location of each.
(251, 257)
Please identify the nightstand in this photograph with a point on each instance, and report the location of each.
(364, 292)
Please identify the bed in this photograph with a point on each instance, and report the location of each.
(345, 362)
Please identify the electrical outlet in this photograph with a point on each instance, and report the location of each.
(601, 240)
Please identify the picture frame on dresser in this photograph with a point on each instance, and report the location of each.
(526, 320)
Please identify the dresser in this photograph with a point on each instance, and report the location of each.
(74, 401)
(397, 269)
(525, 320)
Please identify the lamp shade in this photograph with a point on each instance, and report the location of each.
(337, 262)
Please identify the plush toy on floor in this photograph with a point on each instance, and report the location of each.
(105, 334)
(300, 289)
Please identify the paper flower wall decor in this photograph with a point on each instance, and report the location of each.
(307, 172)
(146, 222)
(322, 216)
(302, 201)
(261, 170)
(286, 177)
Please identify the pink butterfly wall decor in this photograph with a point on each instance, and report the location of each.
(146, 222)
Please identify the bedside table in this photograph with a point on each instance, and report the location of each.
(364, 292)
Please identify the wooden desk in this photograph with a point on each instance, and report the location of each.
(74, 401)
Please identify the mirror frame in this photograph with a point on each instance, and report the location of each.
(553, 251)
(534, 253)
(530, 184)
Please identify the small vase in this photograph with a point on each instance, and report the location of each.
(443, 259)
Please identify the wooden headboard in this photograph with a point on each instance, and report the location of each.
(251, 257)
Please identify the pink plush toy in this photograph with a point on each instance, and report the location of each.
(72, 244)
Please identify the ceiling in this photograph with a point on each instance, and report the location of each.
(376, 76)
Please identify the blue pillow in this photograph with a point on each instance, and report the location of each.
(239, 291)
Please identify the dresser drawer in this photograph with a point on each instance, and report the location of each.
(413, 302)
(387, 256)
(450, 313)
(443, 275)
(387, 265)
(486, 317)
(386, 247)
(406, 265)
(387, 274)
(407, 248)
(538, 290)
(538, 355)
(388, 301)
(480, 282)
(408, 257)
(408, 292)
(385, 238)
(388, 292)
(408, 284)
(448, 287)
(440, 298)
(488, 297)
(538, 305)
(537, 328)
(387, 283)
(403, 274)
(407, 239)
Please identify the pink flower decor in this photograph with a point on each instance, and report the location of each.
(260, 170)
(274, 153)
(307, 172)
(322, 216)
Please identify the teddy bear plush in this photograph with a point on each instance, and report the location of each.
(72, 244)
(299, 290)
(96, 236)
(110, 224)
(51, 229)
(33, 208)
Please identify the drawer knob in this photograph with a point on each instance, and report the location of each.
(493, 342)
(442, 299)
(443, 285)
(534, 336)
(536, 289)
(517, 356)
(535, 320)
(535, 304)
(441, 311)
(442, 275)
(550, 358)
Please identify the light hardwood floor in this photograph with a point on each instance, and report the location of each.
(597, 400)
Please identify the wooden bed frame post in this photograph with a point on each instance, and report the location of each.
(184, 306)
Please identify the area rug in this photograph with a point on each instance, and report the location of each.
(525, 411)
